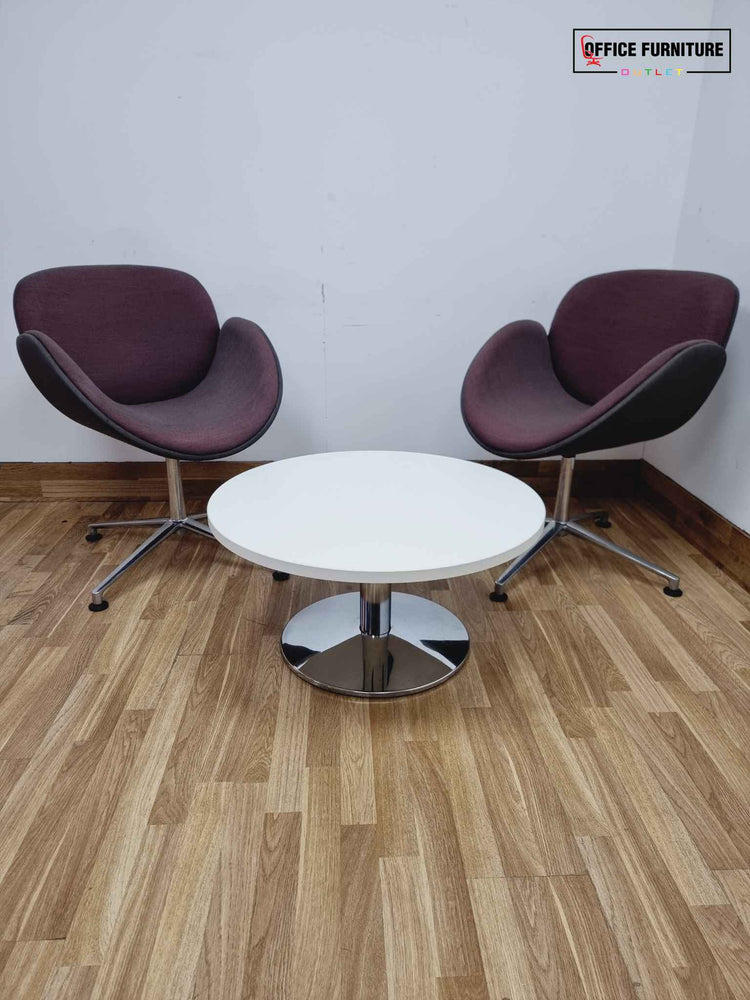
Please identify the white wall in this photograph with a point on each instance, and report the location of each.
(380, 186)
(710, 456)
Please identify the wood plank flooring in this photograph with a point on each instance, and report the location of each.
(181, 817)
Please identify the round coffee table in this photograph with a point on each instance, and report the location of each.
(375, 518)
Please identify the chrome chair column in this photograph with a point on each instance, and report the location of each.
(178, 520)
(561, 522)
(176, 494)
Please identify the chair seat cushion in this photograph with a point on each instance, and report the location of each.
(226, 411)
(514, 405)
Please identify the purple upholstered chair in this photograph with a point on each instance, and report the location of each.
(137, 353)
(630, 356)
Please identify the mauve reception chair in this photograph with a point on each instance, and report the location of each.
(630, 356)
(137, 353)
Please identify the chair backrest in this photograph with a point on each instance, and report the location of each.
(609, 325)
(140, 333)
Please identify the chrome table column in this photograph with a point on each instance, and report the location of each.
(375, 644)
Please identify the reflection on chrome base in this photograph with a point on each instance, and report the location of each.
(375, 644)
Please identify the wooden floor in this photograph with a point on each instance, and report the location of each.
(183, 818)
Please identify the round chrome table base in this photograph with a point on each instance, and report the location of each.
(345, 644)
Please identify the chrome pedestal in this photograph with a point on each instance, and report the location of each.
(561, 523)
(375, 644)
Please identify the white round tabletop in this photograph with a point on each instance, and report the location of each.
(376, 516)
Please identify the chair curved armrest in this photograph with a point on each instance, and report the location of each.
(513, 361)
(63, 383)
(514, 405)
(242, 388)
(245, 358)
(656, 400)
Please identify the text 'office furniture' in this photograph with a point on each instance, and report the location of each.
(630, 356)
(137, 353)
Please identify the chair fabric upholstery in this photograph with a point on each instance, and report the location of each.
(140, 333)
(147, 364)
(631, 356)
(610, 325)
